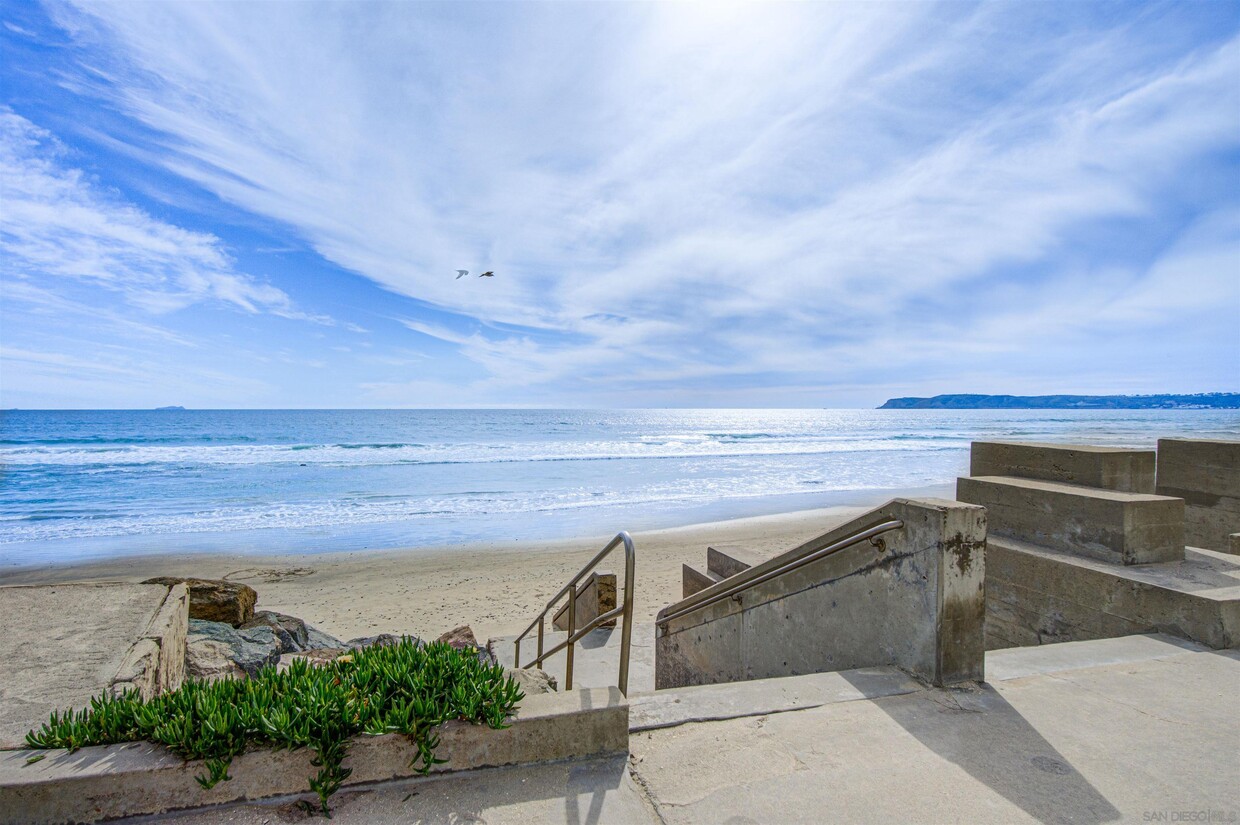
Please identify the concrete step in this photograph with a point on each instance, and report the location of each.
(1112, 526)
(1036, 595)
(1110, 468)
(759, 697)
(694, 580)
(727, 560)
(595, 596)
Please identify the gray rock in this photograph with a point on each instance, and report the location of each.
(382, 640)
(532, 680)
(294, 634)
(290, 630)
(314, 657)
(216, 649)
(209, 659)
(215, 600)
(462, 638)
(317, 639)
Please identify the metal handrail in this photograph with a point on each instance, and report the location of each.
(707, 598)
(625, 610)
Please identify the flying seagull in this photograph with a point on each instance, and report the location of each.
(487, 274)
(461, 273)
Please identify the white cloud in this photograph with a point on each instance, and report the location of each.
(57, 224)
(788, 194)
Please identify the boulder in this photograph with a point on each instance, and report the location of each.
(317, 639)
(290, 630)
(209, 659)
(294, 634)
(532, 680)
(216, 649)
(383, 640)
(462, 638)
(215, 600)
(315, 657)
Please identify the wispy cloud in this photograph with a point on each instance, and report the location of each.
(696, 203)
(57, 223)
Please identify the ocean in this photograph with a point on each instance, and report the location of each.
(80, 485)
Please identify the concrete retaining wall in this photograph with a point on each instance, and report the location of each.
(1038, 596)
(64, 644)
(156, 662)
(1110, 468)
(1206, 474)
(127, 780)
(918, 604)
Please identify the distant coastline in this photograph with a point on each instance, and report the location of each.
(1198, 401)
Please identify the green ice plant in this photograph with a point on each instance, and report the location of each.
(408, 688)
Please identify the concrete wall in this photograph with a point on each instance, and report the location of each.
(1123, 528)
(917, 604)
(1110, 468)
(1039, 596)
(1206, 474)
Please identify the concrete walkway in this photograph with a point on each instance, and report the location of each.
(1140, 729)
(1118, 742)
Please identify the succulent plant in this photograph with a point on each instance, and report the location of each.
(408, 688)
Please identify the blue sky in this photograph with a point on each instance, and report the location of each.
(264, 204)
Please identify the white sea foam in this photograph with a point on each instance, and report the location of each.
(451, 475)
(687, 446)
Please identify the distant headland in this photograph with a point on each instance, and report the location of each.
(1198, 401)
(173, 408)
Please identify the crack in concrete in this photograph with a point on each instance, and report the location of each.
(646, 793)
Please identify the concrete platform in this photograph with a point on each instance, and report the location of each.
(759, 697)
(64, 644)
(1117, 742)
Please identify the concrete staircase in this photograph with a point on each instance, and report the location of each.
(1123, 528)
(900, 586)
(722, 562)
(1079, 547)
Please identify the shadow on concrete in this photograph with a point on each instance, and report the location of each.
(596, 638)
(592, 780)
(977, 730)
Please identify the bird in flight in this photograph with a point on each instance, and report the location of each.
(461, 273)
(487, 274)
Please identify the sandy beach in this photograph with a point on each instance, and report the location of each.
(496, 588)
